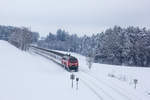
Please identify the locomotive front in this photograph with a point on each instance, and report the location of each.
(73, 63)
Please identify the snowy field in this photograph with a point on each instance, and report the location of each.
(28, 76)
(123, 77)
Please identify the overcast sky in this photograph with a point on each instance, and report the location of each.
(75, 16)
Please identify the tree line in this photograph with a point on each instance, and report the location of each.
(118, 46)
(19, 37)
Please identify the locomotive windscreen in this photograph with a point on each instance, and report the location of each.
(73, 60)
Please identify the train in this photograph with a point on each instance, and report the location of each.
(69, 62)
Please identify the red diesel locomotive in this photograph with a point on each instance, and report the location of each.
(67, 61)
(70, 62)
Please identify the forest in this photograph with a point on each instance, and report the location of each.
(118, 46)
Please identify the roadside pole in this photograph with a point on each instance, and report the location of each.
(77, 84)
(135, 83)
(72, 77)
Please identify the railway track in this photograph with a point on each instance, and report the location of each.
(95, 87)
(109, 89)
(100, 88)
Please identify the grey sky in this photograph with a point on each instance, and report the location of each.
(75, 16)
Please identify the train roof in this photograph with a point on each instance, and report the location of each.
(48, 50)
(55, 52)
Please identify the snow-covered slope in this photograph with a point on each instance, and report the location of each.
(25, 76)
(28, 76)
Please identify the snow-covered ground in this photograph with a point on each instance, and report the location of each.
(25, 76)
(28, 76)
(123, 77)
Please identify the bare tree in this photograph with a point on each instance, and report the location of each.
(21, 38)
(90, 60)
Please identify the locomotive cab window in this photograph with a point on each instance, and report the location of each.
(72, 59)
